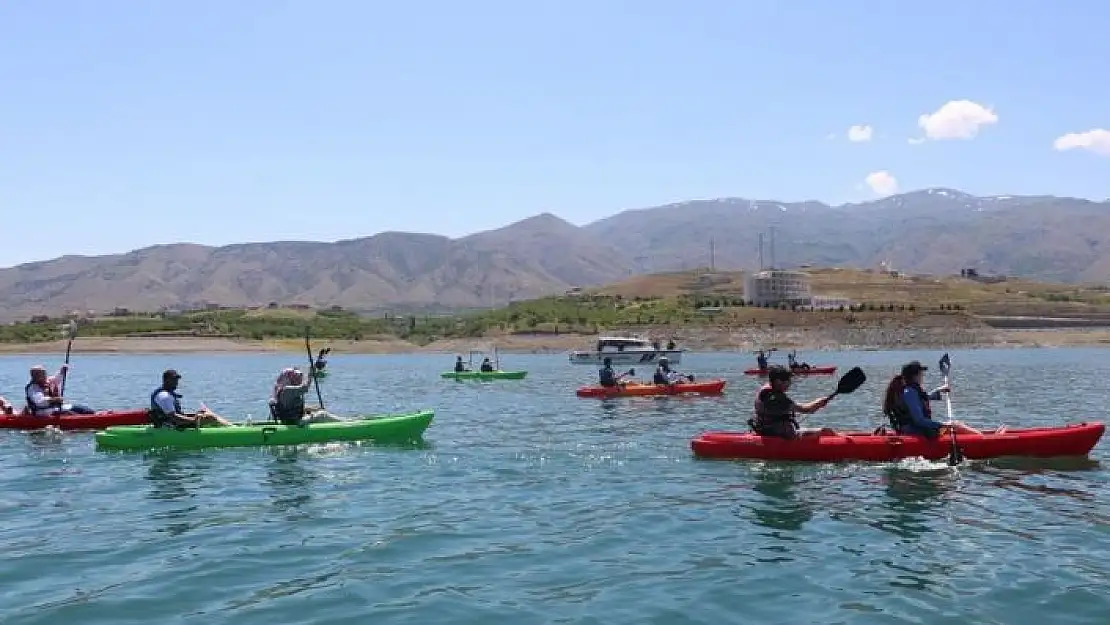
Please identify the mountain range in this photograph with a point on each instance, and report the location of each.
(936, 231)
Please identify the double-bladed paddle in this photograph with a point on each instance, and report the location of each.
(954, 455)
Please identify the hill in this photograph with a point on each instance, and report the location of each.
(703, 310)
(937, 231)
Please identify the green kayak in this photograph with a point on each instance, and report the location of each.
(320, 374)
(484, 375)
(383, 428)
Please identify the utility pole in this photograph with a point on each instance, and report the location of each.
(712, 259)
(772, 248)
(761, 251)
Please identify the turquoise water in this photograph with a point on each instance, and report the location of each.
(529, 505)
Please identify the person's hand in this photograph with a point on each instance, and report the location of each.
(65, 368)
(944, 388)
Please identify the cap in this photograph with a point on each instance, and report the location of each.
(779, 372)
(913, 368)
(171, 374)
(38, 368)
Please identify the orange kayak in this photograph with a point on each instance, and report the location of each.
(639, 389)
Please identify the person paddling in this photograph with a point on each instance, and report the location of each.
(487, 366)
(607, 377)
(906, 404)
(460, 366)
(287, 403)
(761, 360)
(44, 396)
(776, 412)
(166, 412)
(6, 406)
(321, 359)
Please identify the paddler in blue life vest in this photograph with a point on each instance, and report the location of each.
(322, 359)
(906, 404)
(460, 366)
(761, 360)
(776, 413)
(166, 412)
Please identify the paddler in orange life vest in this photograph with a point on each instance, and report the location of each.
(44, 396)
(775, 411)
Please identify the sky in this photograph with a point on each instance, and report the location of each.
(125, 124)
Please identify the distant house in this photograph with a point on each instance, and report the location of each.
(300, 307)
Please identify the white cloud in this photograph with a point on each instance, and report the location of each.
(882, 183)
(1096, 140)
(957, 119)
(859, 134)
(918, 141)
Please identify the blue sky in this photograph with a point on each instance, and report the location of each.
(127, 123)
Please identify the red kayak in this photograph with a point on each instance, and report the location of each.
(98, 421)
(638, 389)
(797, 371)
(1068, 440)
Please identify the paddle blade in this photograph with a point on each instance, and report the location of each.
(945, 364)
(851, 381)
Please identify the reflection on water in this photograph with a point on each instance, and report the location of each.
(914, 499)
(174, 477)
(290, 482)
(781, 509)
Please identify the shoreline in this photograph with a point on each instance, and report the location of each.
(694, 339)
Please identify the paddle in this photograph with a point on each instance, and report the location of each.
(848, 383)
(71, 332)
(954, 455)
(312, 366)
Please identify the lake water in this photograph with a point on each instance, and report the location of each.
(529, 505)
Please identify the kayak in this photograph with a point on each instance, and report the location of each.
(98, 421)
(797, 371)
(639, 389)
(320, 374)
(484, 375)
(1068, 440)
(383, 428)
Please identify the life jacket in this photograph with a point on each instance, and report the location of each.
(894, 406)
(487, 366)
(459, 366)
(661, 376)
(49, 389)
(158, 417)
(778, 412)
(289, 413)
(606, 377)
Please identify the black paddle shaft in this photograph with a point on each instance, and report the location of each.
(312, 366)
(955, 456)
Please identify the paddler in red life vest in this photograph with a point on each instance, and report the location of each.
(44, 396)
(775, 411)
(6, 406)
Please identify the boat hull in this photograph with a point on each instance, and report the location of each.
(627, 357)
(1069, 440)
(829, 370)
(708, 387)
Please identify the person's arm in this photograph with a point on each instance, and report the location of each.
(812, 406)
(917, 411)
(938, 392)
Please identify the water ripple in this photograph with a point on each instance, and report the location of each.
(528, 505)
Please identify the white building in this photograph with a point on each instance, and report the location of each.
(774, 287)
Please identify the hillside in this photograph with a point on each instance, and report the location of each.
(935, 231)
(392, 270)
